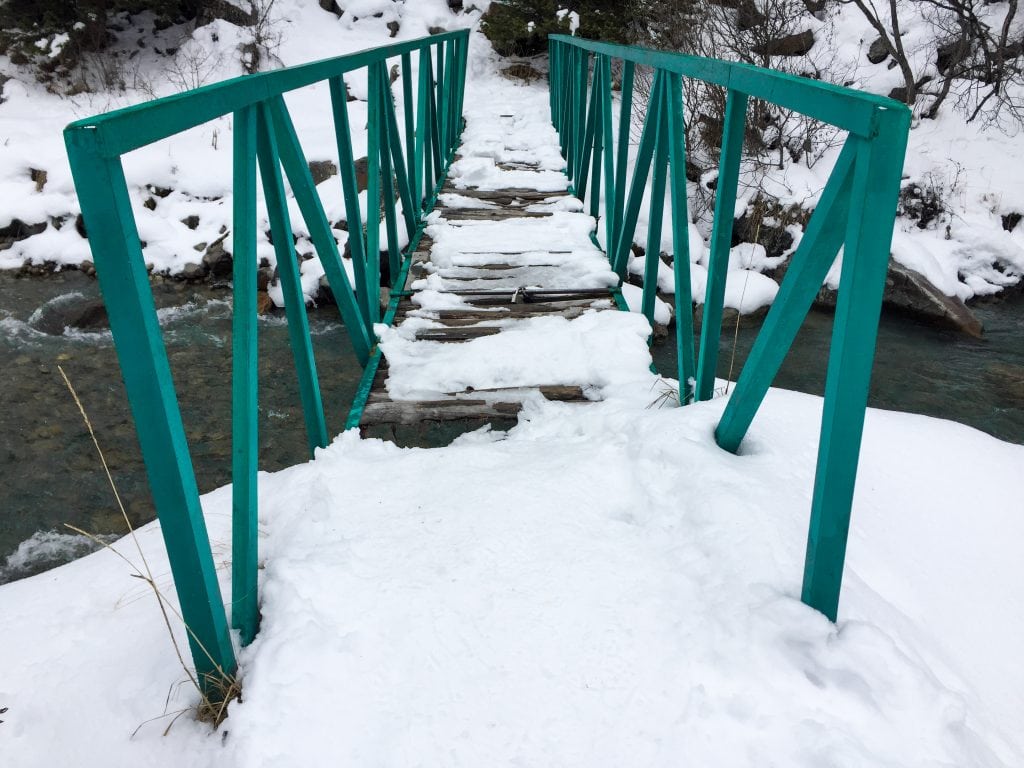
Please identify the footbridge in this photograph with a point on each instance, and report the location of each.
(469, 297)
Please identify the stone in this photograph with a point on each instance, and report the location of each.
(322, 170)
(909, 292)
(324, 294)
(1008, 378)
(192, 222)
(193, 271)
(789, 45)
(217, 260)
(69, 311)
(1011, 220)
(393, 27)
(878, 51)
(331, 6)
(38, 176)
(264, 304)
(362, 167)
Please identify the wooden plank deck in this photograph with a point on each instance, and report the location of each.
(483, 292)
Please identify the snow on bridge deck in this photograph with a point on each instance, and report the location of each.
(509, 299)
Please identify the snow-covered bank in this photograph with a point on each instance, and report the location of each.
(600, 586)
(965, 253)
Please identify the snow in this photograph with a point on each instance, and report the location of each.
(599, 586)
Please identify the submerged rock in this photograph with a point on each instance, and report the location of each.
(72, 310)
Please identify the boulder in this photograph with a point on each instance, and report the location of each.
(789, 45)
(322, 170)
(878, 51)
(909, 292)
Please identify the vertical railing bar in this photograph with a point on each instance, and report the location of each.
(581, 130)
(291, 284)
(405, 193)
(609, 153)
(440, 102)
(721, 241)
(620, 256)
(373, 192)
(685, 363)
(387, 169)
(625, 120)
(652, 257)
(244, 403)
(424, 174)
(589, 133)
(408, 117)
(435, 133)
(874, 198)
(346, 163)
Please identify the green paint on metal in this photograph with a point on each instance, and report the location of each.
(244, 442)
(121, 270)
(856, 211)
(291, 285)
(262, 130)
(721, 241)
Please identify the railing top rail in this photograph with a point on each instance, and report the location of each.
(130, 128)
(851, 110)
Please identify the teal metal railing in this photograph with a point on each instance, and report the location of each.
(408, 157)
(856, 212)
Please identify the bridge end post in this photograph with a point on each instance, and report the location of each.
(876, 183)
(124, 281)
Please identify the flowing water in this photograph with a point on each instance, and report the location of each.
(51, 474)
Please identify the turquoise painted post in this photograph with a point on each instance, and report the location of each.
(583, 76)
(875, 193)
(440, 101)
(409, 124)
(373, 193)
(400, 168)
(424, 172)
(807, 269)
(608, 149)
(681, 242)
(588, 146)
(600, 87)
(721, 241)
(434, 131)
(625, 120)
(297, 169)
(117, 254)
(291, 286)
(387, 176)
(652, 258)
(620, 257)
(350, 190)
(244, 356)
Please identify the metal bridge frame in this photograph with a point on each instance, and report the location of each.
(856, 212)
(414, 152)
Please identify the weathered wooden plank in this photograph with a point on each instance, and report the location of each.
(416, 411)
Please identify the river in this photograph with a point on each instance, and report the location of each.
(51, 475)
